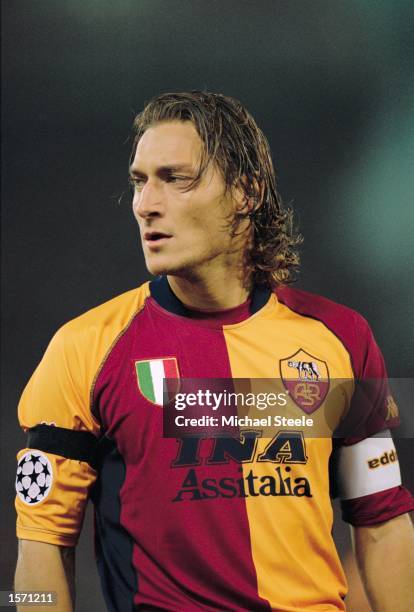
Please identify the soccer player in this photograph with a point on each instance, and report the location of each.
(235, 522)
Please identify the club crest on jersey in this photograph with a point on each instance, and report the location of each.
(306, 378)
(151, 375)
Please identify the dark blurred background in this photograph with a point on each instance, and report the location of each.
(330, 83)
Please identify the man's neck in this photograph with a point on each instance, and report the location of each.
(213, 293)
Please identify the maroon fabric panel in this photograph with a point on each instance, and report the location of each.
(226, 316)
(191, 552)
(368, 365)
(348, 325)
(378, 507)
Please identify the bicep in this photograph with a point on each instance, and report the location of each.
(39, 562)
(396, 531)
(46, 567)
(32, 551)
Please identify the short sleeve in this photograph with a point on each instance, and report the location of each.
(368, 481)
(52, 490)
(372, 408)
(366, 471)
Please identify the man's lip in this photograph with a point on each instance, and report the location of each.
(155, 235)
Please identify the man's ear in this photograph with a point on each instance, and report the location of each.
(246, 203)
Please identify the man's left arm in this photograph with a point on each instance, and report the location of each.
(385, 558)
(376, 505)
(367, 479)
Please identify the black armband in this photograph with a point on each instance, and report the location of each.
(69, 443)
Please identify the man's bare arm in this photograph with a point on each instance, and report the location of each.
(385, 557)
(46, 567)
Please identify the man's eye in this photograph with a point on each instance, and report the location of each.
(136, 182)
(173, 178)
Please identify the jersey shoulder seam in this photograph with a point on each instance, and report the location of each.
(353, 314)
(109, 351)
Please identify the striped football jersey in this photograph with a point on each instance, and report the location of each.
(204, 522)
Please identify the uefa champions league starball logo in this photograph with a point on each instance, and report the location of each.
(34, 477)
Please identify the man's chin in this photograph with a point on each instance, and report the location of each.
(158, 268)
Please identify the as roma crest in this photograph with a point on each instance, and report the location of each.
(306, 378)
(151, 375)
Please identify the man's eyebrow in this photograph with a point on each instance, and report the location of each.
(163, 169)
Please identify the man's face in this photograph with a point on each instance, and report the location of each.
(183, 231)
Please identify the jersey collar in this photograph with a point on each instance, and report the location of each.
(162, 293)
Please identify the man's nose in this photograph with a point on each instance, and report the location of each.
(147, 201)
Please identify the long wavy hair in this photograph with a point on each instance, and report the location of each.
(233, 141)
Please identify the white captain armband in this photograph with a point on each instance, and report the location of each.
(367, 467)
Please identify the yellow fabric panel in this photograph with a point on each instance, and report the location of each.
(59, 393)
(275, 333)
(291, 535)
(58, 519)
(296, 561)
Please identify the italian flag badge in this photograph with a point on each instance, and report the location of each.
(151, 375)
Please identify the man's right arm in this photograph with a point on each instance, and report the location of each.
(54, 475)
(47, 567)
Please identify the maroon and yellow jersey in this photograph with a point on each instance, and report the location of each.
(203, 523)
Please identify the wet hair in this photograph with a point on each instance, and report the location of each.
(233, 141)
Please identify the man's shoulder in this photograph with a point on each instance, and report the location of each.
(108, 318)
(339, 318)
(79, 348)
